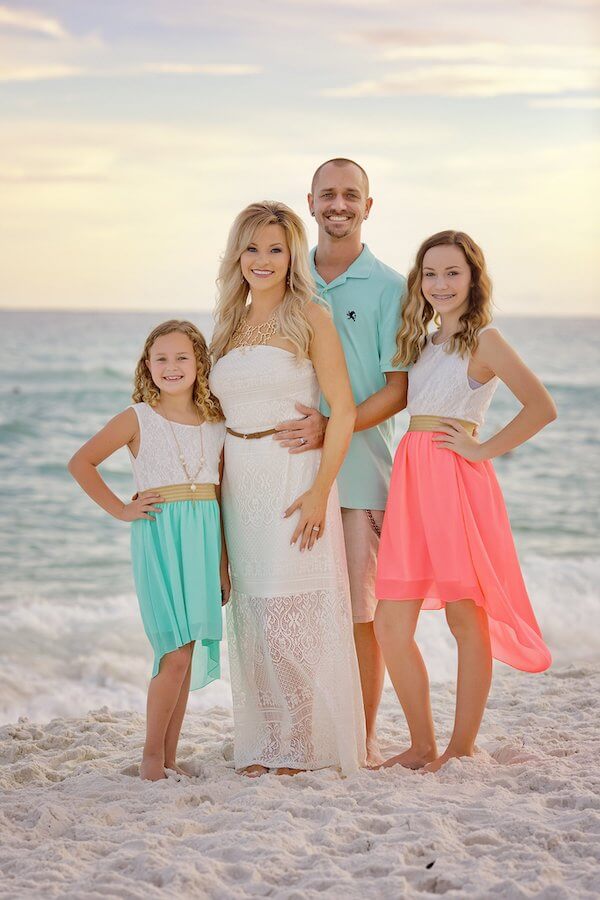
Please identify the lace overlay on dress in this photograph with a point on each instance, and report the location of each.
(157, 462)
(438, 385)
(294, 675)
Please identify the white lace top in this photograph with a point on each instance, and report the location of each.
(438, 385)
(157, 463)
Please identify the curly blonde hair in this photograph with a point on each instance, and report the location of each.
(233, 289)
(145, 391)
(417, 312)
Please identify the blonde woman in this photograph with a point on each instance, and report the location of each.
(295, 681)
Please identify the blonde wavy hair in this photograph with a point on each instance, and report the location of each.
(417, 312)
(145, 391)
(233, 289)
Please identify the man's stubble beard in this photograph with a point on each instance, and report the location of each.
(336, 234)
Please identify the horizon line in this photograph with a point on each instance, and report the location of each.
(89, 310)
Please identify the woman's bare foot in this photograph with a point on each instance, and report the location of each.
(173, 767)
(253, 771)
(374, 757)
(413, 758)
(152, 768)
(283, 770)
(437, 764)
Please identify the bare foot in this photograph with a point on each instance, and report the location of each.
(437, 764)
(152, 768)
(283, 770)
(173, 767)
(253, 771)
(411, 759)
(374, 757)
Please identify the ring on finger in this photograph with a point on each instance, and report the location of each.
(316, 528)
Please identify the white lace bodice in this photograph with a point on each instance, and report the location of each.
(438, 385)
(258, 387)
(157, 463)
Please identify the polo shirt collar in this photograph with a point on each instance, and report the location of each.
(360, 268)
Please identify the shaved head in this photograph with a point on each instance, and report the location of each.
(340, 161)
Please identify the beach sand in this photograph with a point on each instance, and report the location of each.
(521, 819)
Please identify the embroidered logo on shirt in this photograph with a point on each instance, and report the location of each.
(351, 315)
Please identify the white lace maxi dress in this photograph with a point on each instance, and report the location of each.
(294, 675)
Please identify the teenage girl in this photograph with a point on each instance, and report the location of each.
(174, 433)
(446, 539)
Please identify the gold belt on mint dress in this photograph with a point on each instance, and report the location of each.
(433, 423)
(172, 492)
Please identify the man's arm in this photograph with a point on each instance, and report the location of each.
(383, 404)
(307, 433)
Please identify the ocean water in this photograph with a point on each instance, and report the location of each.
(70, 636)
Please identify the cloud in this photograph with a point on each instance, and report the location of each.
(443, 63)
(470, 81)
(38, 73)
(566, 103)
(30, 21)
(225, 69)
(53, 72)
(496, 52)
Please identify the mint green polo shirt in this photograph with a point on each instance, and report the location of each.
(366, 301)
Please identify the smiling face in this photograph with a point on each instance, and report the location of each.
(446, 279)
(339, 200)
(172, 363)
(266, 260)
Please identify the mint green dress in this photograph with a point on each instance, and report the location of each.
(176, 558)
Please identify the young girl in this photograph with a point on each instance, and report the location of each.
(446, 538)
(174, 433)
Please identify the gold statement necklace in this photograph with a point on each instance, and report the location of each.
(253, 335)
(191, 478)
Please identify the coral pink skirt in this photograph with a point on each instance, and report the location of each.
(446, 537)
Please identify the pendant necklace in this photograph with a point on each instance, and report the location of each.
(191, 478)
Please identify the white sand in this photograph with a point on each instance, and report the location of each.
(522, 819)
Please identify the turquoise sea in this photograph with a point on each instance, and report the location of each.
(70, 639)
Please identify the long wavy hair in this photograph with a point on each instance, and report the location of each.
(233, 289)
(145, 391)
(417, 312)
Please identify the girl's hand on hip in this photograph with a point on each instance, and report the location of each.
(140, 507)
(455, 437)
(311, 526)
(225, 589)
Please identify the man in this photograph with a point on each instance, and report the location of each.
(365, 297)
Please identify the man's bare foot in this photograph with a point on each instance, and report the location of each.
(173, 767)
(152, 768)
(253, 771)
(374, 757)
(437, 764)
(283, 770)
(413, 758)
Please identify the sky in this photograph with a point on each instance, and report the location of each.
(132, 133)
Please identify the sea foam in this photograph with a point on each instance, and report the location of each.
(64, 658)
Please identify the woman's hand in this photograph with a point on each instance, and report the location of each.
(456, 437)
(140, 507)
(311, 526)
